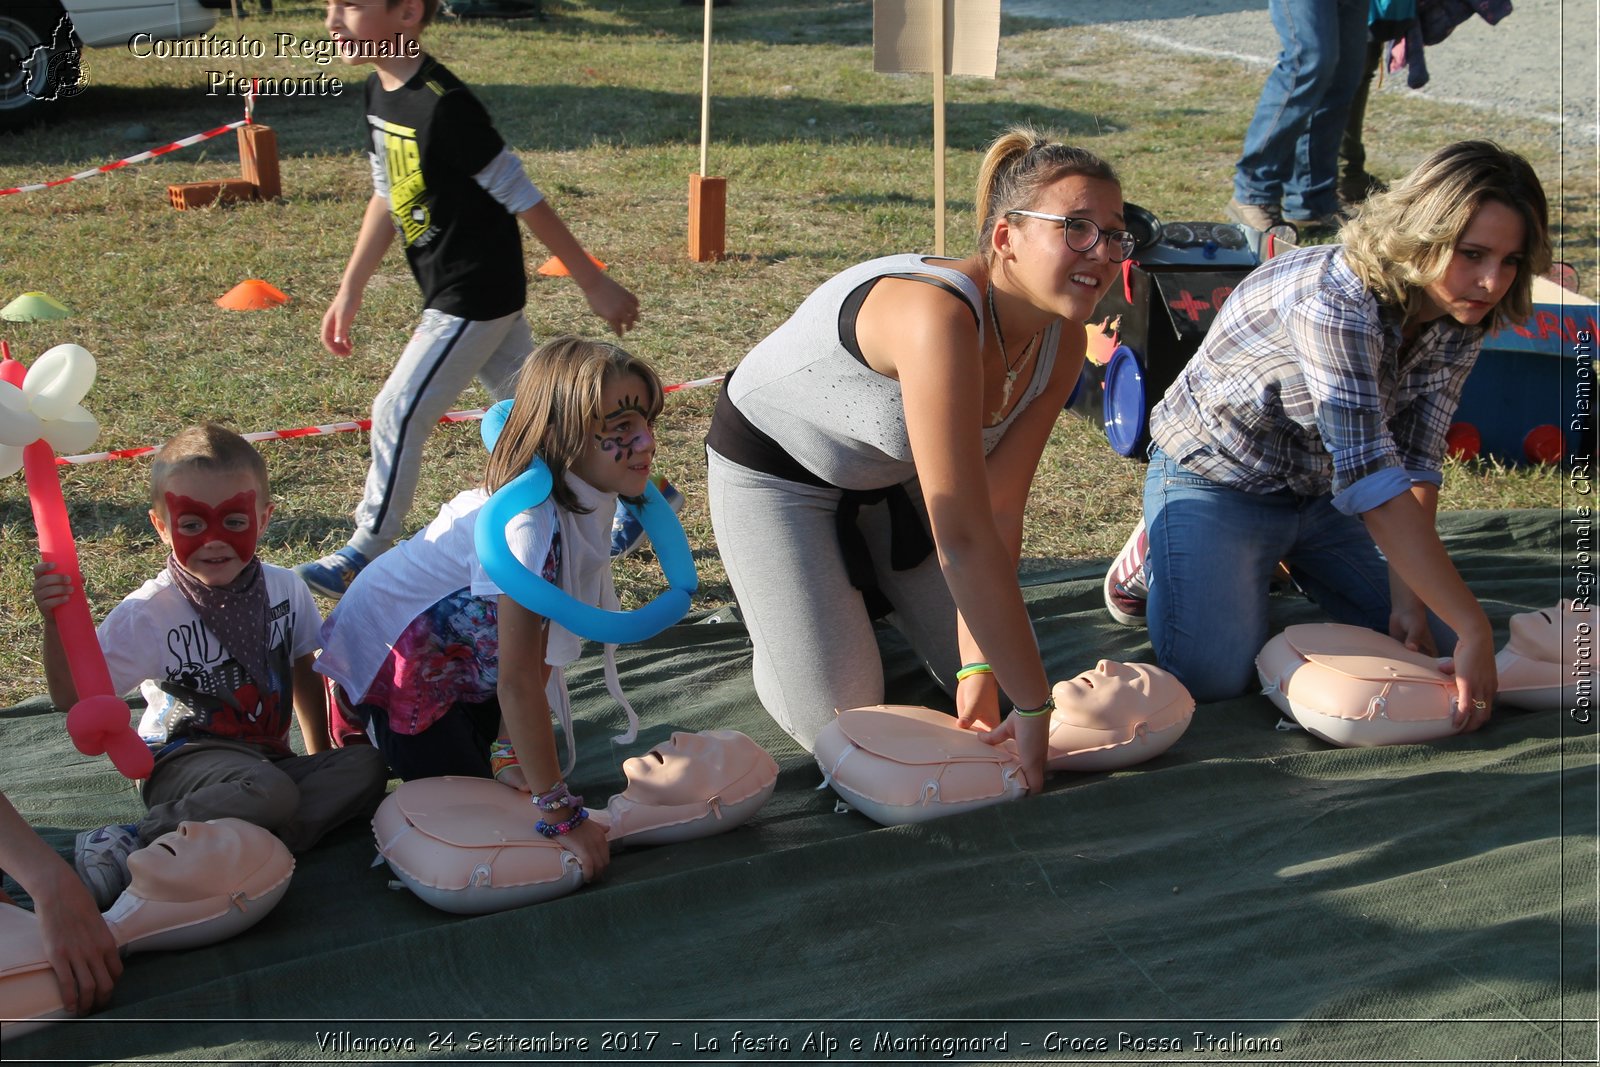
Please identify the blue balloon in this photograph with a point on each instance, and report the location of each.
(494, 420)
(532, 488)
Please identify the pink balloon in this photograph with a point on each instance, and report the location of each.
(99, 722)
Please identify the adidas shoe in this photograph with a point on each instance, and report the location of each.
(101, 859)
(1125, 589)
(627, 532)
(332, 574)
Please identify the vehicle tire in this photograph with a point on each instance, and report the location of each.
(26, 25)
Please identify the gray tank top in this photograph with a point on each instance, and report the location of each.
(840, 419)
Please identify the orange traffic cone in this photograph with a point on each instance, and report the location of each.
(252, 295)
(554, 268)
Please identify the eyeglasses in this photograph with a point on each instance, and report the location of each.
(1083, 234)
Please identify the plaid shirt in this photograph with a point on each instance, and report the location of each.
(1301, 385)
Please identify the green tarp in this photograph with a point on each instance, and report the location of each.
(1252, 896)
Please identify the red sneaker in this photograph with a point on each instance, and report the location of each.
(1125, 589)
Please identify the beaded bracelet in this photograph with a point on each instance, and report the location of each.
(502, 757)
(557, 796)
(968, 670)
(565, 826)
(1044, 709)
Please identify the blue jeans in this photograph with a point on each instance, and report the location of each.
(1213, 550)
(1291, 148)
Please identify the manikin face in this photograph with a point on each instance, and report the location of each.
(1482, 267)
(199, 860)
(1034, 252)
(213, 521)
(1106, 695)
(689, 768)
(622, 447)
(1537, 634)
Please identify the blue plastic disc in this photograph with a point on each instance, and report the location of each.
(1126, 413)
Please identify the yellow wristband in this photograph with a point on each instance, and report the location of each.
(1046, 708)
(973, 668)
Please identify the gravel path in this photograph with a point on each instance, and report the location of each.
(1538, 64)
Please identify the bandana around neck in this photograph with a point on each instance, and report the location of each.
(236, 613)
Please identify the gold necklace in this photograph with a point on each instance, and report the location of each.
(998, 415)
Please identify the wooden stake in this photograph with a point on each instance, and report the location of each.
(705, 93)
(938, 127)
(708, 197)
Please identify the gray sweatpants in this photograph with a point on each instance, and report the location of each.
(443, 356)
(815, 652)
(299, 798)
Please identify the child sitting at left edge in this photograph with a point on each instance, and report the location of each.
(220, 644)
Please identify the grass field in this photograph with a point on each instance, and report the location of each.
(827, 163)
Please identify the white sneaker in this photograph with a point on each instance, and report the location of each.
(101, 859)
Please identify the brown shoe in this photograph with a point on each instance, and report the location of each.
(1355, 188)
(1322, 223)
(1255, 216)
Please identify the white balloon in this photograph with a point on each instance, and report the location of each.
(72, 432)
(10, 460)
(19, 427)
(59, 380)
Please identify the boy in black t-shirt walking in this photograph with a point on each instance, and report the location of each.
(446, 183)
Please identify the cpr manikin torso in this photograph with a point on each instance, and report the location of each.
(468, 845)
(900, 764)
(201, 883)
(1356, 687)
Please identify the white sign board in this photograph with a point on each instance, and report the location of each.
(903, 36)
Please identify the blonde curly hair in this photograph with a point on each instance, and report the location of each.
(1402, 241)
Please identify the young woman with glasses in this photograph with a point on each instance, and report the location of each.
(872, 456)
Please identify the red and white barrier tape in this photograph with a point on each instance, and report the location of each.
(467, 415)
(140, 158)
(698, 383)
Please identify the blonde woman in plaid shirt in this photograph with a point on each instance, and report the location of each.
(1310, 428)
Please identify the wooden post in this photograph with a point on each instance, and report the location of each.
(708, 214)
(938, 127)
(258, 160)
(708, 197)
(705, 91)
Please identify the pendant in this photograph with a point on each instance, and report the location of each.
(997, 415)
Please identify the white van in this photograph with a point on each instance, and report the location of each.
(40, 39)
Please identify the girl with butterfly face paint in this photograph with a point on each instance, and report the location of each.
(413, 650)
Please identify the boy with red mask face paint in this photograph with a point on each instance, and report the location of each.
(220, 645)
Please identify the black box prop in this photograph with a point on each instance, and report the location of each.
(1158, 313)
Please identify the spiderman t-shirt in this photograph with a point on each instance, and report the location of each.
(155, 641)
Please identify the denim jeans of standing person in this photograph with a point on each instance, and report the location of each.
(1213, 551)
(1291, 148)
